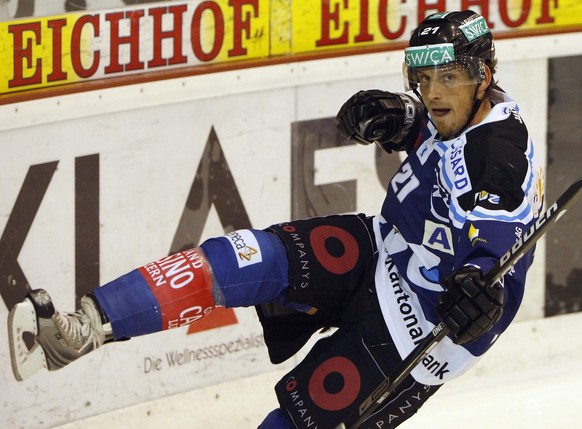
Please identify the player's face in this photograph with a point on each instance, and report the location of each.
(448, 94)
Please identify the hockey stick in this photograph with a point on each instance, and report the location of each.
(505, 263)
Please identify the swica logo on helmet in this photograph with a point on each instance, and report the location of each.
(429, 55)
(475, 29)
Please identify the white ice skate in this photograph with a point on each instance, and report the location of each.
(41, 337)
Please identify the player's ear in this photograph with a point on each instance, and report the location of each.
(487, 81)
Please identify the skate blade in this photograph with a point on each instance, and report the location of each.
(26, 355)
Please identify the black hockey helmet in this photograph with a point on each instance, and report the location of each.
(460, 38)
(448, 41)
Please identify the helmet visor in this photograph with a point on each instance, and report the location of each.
(437, 64)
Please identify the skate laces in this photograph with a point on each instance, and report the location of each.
(76, 329)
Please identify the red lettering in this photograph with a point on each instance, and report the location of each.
(132, 40)
(546, 18)
(76, 49)
(56, 26)
(327, 17)
(175, 35)
(364, 35)
(504, 13)
(23, 52)
(195, 37)
(241, 24)
(383, 23)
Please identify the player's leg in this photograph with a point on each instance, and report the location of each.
(329, 259)
(243, 268)
(240, 269)
(342, 370)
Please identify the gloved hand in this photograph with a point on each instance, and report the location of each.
(469, 306)
(375, 116)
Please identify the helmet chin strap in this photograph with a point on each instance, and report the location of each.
(476, 105)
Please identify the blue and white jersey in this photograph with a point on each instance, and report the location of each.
(452, 203)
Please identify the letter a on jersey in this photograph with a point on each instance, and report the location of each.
(437, 237)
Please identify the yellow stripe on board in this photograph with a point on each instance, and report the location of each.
(56, 50)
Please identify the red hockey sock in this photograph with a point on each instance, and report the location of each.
(182, 284)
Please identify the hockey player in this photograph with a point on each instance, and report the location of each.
(469, 187)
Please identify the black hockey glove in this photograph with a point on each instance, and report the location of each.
(469, 306)
(381, 117)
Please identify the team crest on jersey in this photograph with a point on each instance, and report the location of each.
(438, 237)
